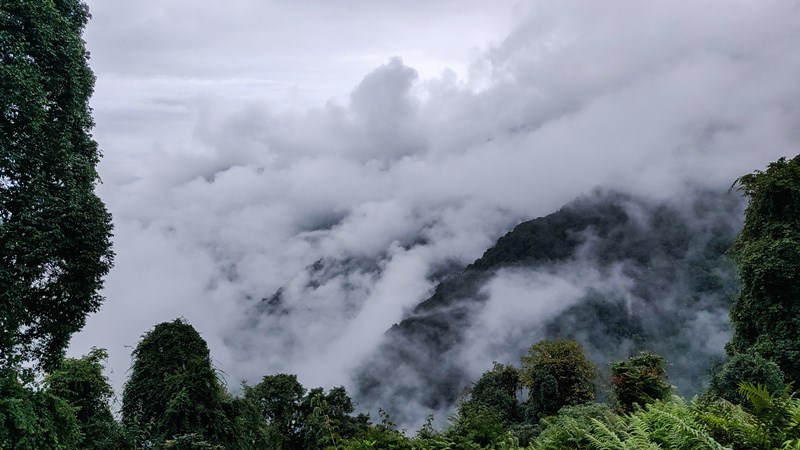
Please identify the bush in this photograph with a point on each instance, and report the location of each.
(639, 380)
(744, 367)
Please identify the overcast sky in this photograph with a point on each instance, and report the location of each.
(245, 140)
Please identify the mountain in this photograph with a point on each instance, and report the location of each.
(617, 272)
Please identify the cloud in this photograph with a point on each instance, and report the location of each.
(222, 195)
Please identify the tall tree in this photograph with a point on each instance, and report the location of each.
(497, 389)
(80, 381)
(557, 374)
(279, 398)
(639, 380)
(54, 231)
(34, 419)
(173, 390)
(766, 312)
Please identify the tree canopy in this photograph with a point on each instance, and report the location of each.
(557, 373)
(766, 312)
(54, 231)
(80, 381)
(173, 390)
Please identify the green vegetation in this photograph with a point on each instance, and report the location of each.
(639, 380)
(55, 249)
(745, 367)
(672, 253)
(34, 420)
(557, 374)
(767, 251)
(54, 231)
(172, 389)
(84, 387)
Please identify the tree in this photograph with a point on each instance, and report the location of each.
(557, 374)
(173, 390)
(766, 312)
(497, 389)
(279, 398)
(33, 419)
(639, 380)
(82, 384)
(54, 231)
(745, 367)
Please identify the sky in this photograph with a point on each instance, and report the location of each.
(244, 141)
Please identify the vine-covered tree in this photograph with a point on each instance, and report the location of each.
(54, 231)
(80, 381)
(639, 380)
(557, 374)
(279, 398)
(173, 390)
(744, 367)
(34, 419)
(497, 389)
(766, 312)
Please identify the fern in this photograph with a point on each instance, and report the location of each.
(608, 439)
(758, 396)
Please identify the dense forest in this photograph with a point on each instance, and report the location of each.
(601, 377)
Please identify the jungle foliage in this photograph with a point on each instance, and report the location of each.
(767, 252)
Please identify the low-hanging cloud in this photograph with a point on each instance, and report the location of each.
(353, 210)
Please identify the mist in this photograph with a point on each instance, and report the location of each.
(294, 237)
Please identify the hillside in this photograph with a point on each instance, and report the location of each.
(645, 276)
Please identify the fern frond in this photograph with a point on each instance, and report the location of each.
(610, 440)
(757, 395)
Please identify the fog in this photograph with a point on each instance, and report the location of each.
(240, 169)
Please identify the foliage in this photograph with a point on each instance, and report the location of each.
(672, 424)
(557, 374)
(497, 389)
(173, 390)
(569, 428)
(294, 419)
(82, 384)
(765, 314)
(476, 424)
(771, 420)
(326, 418)
(248, 430)
(34, 420)
(278, 398)
(676, 247)
(743, 367)
(385, 435)
(54, 231)
(639, 380)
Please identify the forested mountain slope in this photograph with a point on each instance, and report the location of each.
(615, 272)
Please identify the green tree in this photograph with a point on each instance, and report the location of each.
(497, 389)
(744, 367)
(569, 429)
(639, 380)
(54, 231)
(557, 374)
(766, 312)
(173, 390)
(248, 430)
(476, 426)
(82, 384)
(279, 398)
(33, 419)
(326, 418)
